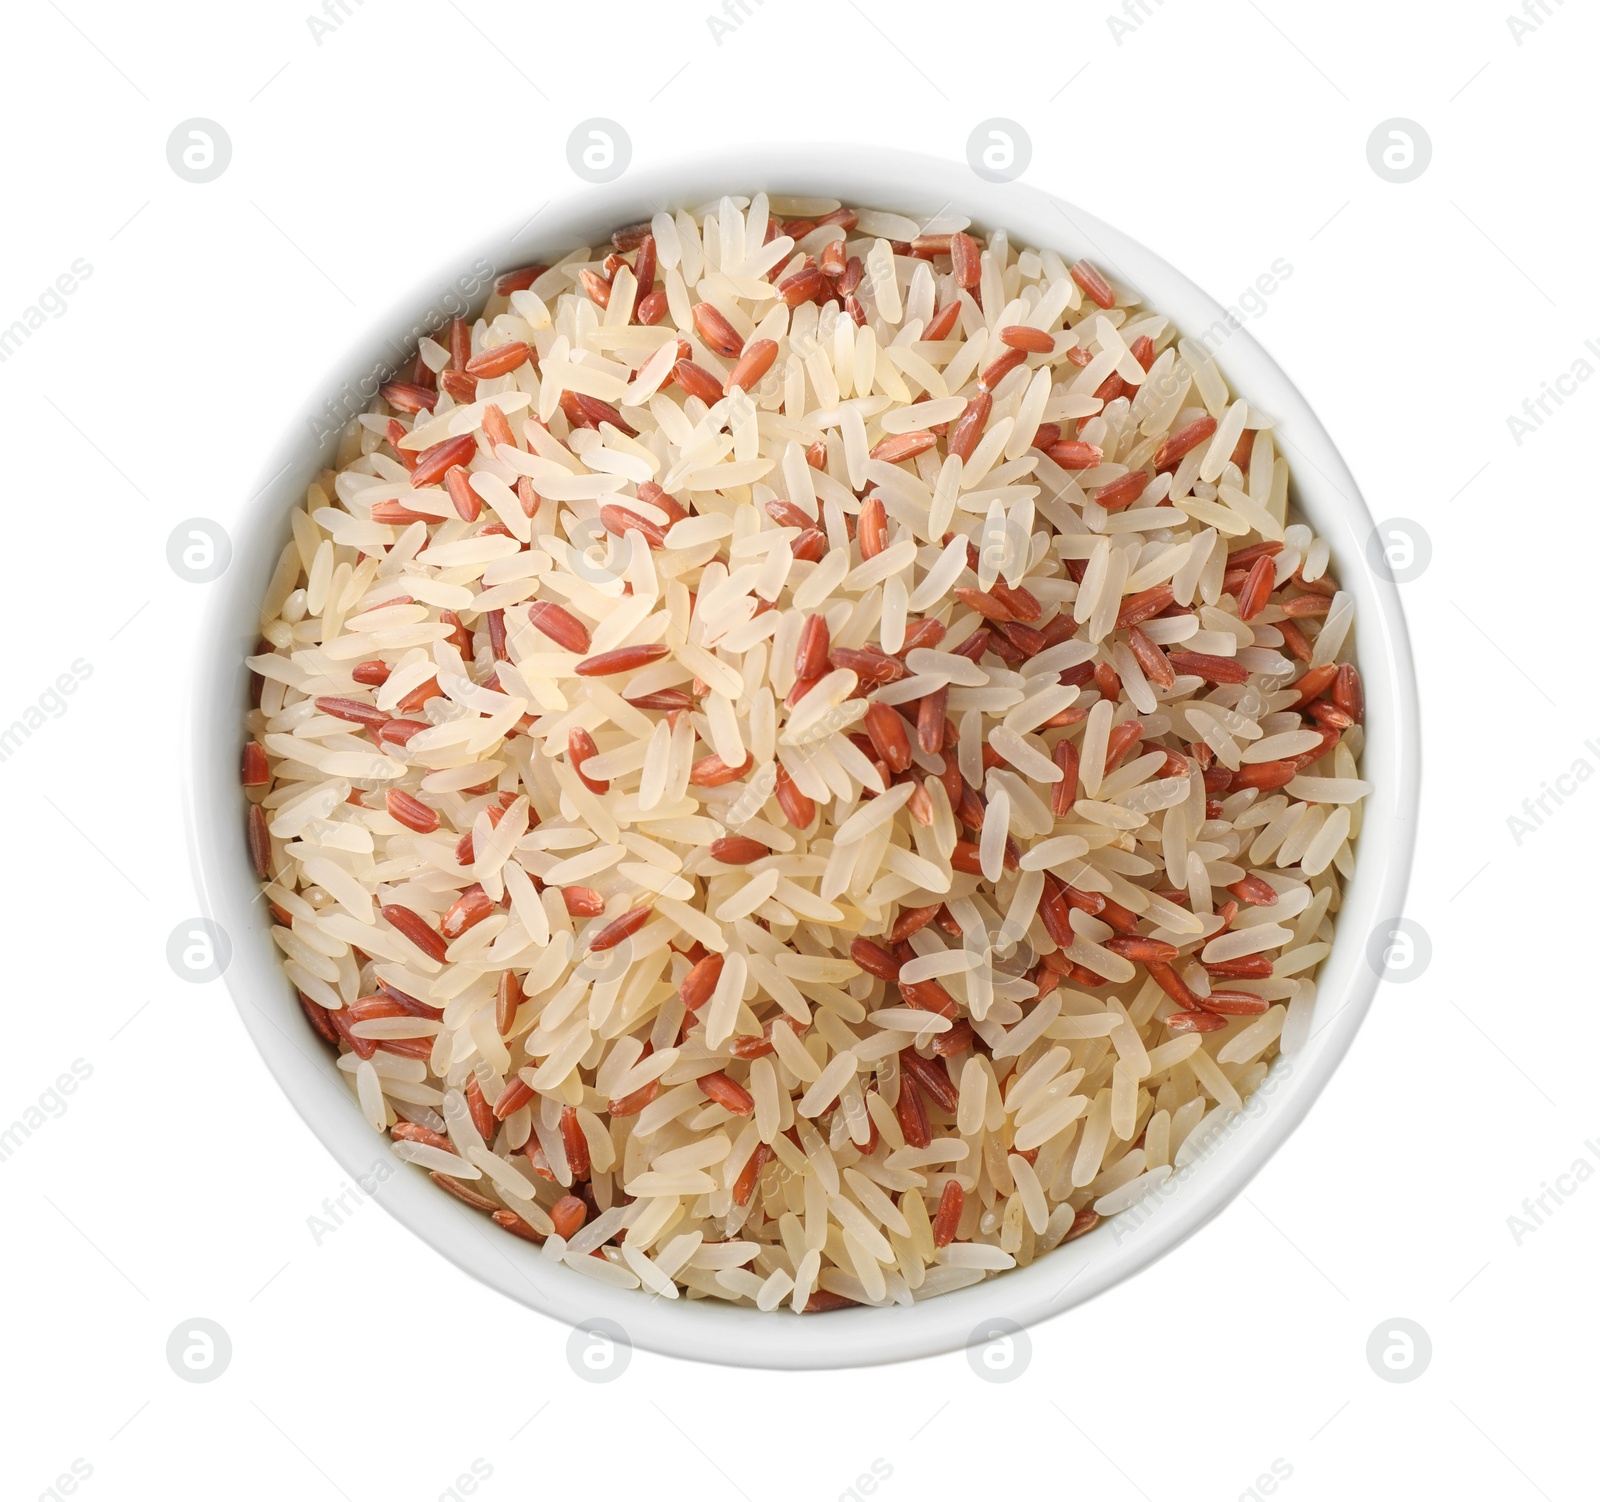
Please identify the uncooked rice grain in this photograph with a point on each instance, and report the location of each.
(779, 808)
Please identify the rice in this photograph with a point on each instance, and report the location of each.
(804, 760)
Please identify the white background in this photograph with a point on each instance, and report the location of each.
(1226, 134)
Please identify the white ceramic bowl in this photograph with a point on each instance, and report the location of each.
(1325, 494)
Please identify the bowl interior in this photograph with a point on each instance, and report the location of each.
(1324, 493)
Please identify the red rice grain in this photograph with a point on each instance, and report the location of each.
(730, 1096)
(434, 462)
(1095, 285)
(952, 1201)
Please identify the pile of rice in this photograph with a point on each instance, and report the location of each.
(801, 757)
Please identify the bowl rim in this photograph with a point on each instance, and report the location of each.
(1326, 495)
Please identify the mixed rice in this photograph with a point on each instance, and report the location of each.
(801, 757)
